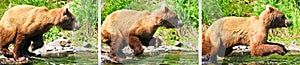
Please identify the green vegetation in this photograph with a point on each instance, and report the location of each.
(84, 10)
(187, 11)
(215, 9)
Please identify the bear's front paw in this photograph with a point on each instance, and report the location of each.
(8, 54)
(116, 60)
(282, 51)
(205, 58)
(138, 51)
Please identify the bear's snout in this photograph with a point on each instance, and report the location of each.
(288, 23)
(76, 26)
(180, 24)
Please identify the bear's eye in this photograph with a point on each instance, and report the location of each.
(283, 17)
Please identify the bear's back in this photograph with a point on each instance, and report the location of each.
(18, 15)
(232, 28)
(124, 19)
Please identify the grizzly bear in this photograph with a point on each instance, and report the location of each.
(227, 32)
(135, 28)
(25, 23)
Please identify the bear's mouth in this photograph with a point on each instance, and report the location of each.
(179, 25)
(288, 24)
(76, 26)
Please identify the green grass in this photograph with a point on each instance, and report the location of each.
(215, 9)
(86, 12)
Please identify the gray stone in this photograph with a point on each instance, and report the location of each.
(82, 49)
(54, 43)
(55, 54)
(86, 45)
(190, 45)
(293, 46)
(178, 44)
(156, 41)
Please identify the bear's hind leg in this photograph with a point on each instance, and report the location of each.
(116, 45)
(25, 46)
(5, 51)
(37, 42)
(19, 43)
(7, 37)
(116, 53)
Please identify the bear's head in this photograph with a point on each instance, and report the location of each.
(167, 18)
(274, 18)
(65, 19)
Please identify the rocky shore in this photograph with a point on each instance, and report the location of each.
(61, 47)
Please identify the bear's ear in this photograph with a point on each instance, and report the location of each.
(66, 9)
(164, 8)
(269, 8)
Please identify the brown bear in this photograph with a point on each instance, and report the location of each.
(227, 32)
(135, 28)
(25, 23)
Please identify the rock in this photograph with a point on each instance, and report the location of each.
(149, 49)
(105, 49)
(240, 47)
(70, 50)
(293, 46)
(82, 49)
(55, 44)
(127, 50)
(174, 48)
(156, 41)
(55, 54)
(86, 45)
(52, 46)
(64, 41)
(161, 48)
(40, 51)
(189, 45)
(178, 44)
(240, 50)
(59, 48)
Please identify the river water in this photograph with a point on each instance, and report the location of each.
(174, 58)
(289, 58)
(71, 59)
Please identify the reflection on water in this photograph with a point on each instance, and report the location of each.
(178, 58)
(72, 59)
(267, 60)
